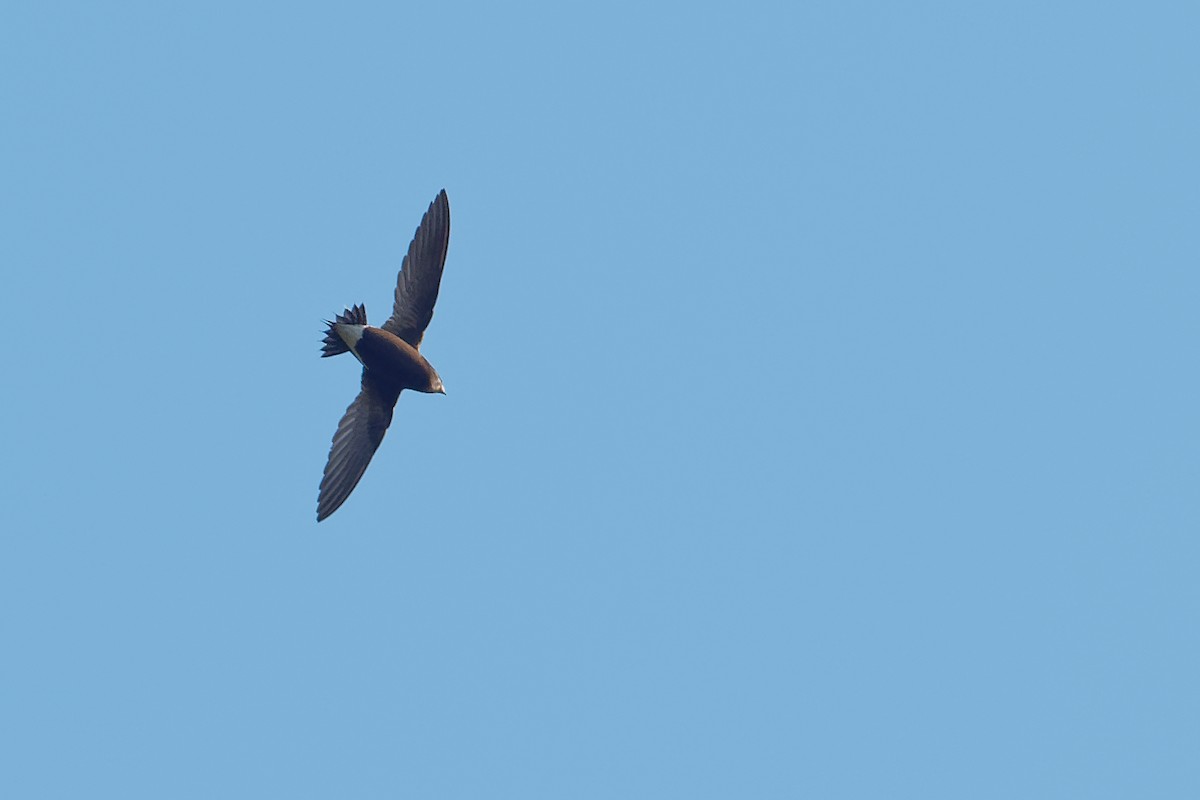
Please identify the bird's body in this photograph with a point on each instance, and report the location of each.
(390, 356)
(391, 360)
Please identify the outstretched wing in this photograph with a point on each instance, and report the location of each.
(421, 274)
(355, 442)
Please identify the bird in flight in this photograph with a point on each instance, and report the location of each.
(390, 356)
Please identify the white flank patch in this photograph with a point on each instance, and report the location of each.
(350, 334)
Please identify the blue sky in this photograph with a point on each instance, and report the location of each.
(822, 413)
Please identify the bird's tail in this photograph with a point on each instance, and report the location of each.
(333, 345)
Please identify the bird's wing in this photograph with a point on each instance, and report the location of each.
(356, 440)
(421, 274)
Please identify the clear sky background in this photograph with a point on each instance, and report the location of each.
(822, 413)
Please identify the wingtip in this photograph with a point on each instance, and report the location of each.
(325, 509)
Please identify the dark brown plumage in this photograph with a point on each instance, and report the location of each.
(389, 355)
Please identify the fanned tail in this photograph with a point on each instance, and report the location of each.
(333, 344)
